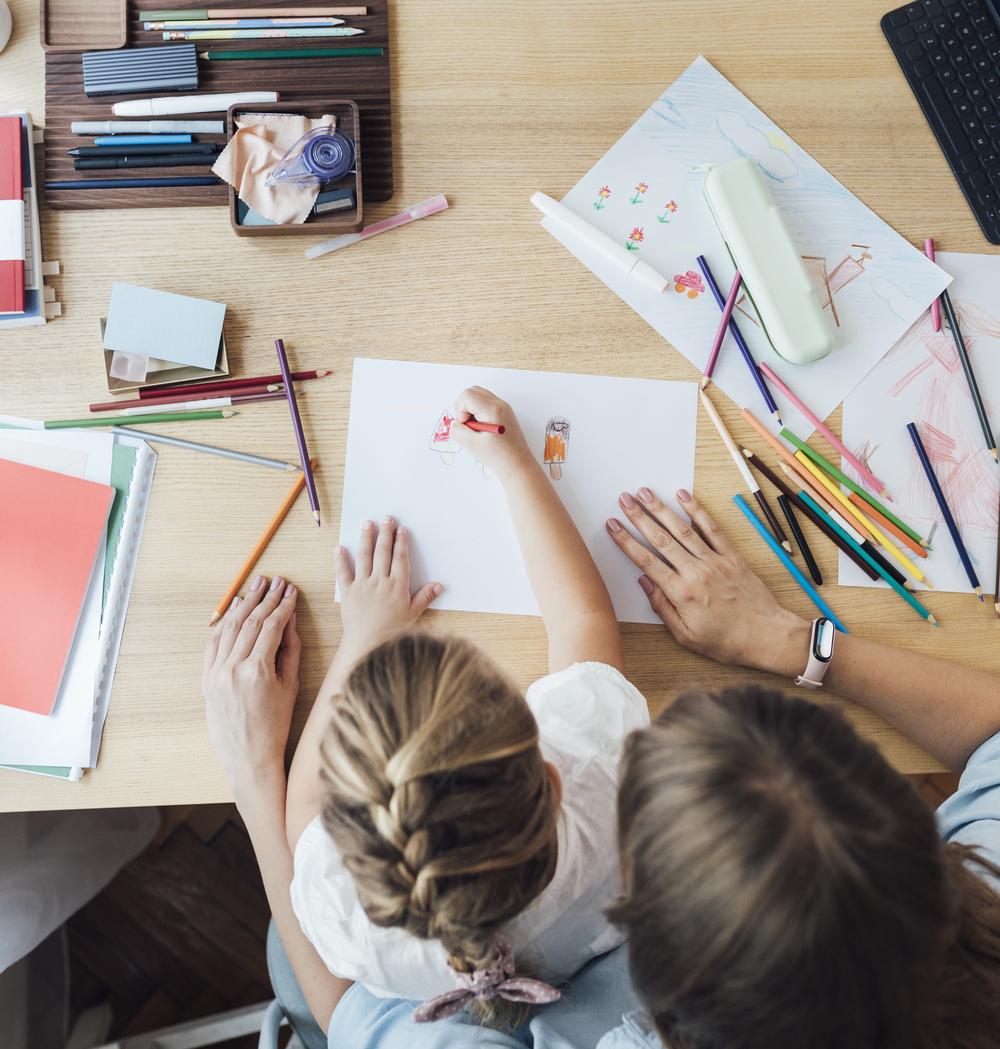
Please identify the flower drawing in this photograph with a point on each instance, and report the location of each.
(690, 283)
(635, 238)
(640, 189)
(602, 195)
(668, 209)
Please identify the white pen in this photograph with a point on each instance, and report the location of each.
(165, 105)
(147, 127)
(609, 249)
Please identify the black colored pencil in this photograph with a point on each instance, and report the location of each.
(807, 555)
(970, 378)
(762, 467)
(775, 525)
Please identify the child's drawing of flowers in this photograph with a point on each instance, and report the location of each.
(635, 238)
(602, 195)
(668, 209)
(640, 191)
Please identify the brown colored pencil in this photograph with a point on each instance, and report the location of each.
(193, 395)
(223, 385)
(261, 545)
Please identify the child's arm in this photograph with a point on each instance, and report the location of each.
(375, 603)
(576, 609)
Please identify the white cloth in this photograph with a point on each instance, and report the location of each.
(584, 714)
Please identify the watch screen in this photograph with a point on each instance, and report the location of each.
(825, 632)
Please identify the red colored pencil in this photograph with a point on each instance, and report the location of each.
(194, 395)
(479, 427)
(220, 385)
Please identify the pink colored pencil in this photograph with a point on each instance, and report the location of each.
(727, 312)
(935, 305)
(479, 427)
(866, 475)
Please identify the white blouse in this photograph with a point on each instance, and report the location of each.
(584, 714)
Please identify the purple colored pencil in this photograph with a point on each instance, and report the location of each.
(727, 312)
(772, 405)
(300, 437)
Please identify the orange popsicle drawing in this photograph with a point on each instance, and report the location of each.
(556, 440)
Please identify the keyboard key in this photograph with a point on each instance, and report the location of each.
(938, 58)
(957, 60)
(947, 76)
(905, 35)
(937, 100)
(986, 196)
(980, 20)
(956, 91)
(977, 93)
(984, 109)
(932, 7)
(914, 11)
(994, 177)
(967, 32)
(973, 6)
(963, 109)
(968, 76)
(950, 43)
(970, 162)
(978, 179)
(923, 26)
(972, 126)
(991, 81)
(992, 125)
(991, 160)
(929, 42)
(981, 143)
(973, 49)
(923, 68)
(957, 16)
(941, 25)
(915, 51)
(988, 37)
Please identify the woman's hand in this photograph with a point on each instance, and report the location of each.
(503, 454)
(703, 590)
(250, 680)
(375, 599)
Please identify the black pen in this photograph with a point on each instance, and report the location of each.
(163, 149)
(172, 160)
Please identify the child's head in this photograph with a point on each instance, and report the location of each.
(437, 797)
(785, 887)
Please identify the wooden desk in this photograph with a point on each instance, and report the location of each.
(492, 101)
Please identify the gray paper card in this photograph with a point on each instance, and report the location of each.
(153, 323)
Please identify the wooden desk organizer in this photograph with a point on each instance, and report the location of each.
(348, 123)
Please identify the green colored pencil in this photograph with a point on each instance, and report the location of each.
(136, 420)
(313, 52)
(838, 475)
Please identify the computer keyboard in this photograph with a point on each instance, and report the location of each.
(949, 51)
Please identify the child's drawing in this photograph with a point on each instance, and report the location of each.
(828, 282)
(669, 208)
(442, 441)
(640, 192)
(556, 441)
(770, 149)
(635, 238)
(602, 196)
(689, 282)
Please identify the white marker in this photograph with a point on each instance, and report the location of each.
(609, 249)
(165, 106)
(144, 127)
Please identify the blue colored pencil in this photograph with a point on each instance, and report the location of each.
(905, 594)
(734, 330)
(134, 183)
(143, 140)
(956, 536)
(793, 568)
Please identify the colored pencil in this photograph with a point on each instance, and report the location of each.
(208, 449)
(243, 23)
(748, 357)
(261, 545)
(208, 402)
(905, 594)
(936, 304)
(868, 526)
(970, 377)
(152, 182)
(300, 437)
(786, 490)
(807, 555)
(949, 520)
(171, 388)
(128, 420)
(152, 149)
(720, 334)
(192, 395)
(313, 52)
(790, 565)
(838, 475)
(260, 34)
(880, 518)
(996, 581)
(479, 427)
(202, 14)
(825, 430)
(748, 477)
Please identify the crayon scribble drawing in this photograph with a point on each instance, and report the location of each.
(669, 208)
(556, 445)
(689, 283)
(602, 198)
(442, 441)
(640, 191)
(635, 238)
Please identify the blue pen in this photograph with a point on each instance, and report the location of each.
(135, 183)
(810, 590)
(142, 140)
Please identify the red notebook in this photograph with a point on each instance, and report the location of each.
(11, 217)
(51, 527)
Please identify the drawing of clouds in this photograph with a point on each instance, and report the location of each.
(668, 112)
(750, 141)
(900, 304)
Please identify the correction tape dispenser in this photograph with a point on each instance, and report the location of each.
(321, 155)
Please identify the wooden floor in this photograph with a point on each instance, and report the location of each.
(179, 934)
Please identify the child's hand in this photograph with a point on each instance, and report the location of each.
(502, 453)
(375, 600)
(250, 680)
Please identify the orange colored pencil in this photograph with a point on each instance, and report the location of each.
(808, 481)
(865, 507)
(260, 547)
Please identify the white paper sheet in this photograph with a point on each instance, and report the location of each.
(650, 184)
(921, 380)
(64, 737)
(623, 433)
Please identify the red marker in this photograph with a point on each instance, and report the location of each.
(485, 427)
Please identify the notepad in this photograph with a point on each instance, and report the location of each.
(51, 528)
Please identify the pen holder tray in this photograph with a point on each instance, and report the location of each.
(348, 123)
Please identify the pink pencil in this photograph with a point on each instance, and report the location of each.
(727, 312)
(935, 305)
(866, 475)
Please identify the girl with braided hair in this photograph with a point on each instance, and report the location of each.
(453, 837)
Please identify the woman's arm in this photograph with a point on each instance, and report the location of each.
(576, 609)
(250, 680)
(713, 604)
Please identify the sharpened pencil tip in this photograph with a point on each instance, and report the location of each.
(316, 517)
(777, 416)
(979, 592)
(324, 372)
(929, 584)
(705, 380)
(931, 619)
(907, 585)
(787, 545)
(215, 618)
(997, 607)
(993, 452)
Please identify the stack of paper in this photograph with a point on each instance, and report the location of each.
(69, 536)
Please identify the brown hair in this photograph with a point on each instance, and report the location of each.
(785, 887)
(438, 799)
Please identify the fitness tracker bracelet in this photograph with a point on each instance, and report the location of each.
(821, 642)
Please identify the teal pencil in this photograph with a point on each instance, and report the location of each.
(905, 594)
(790, 565)
(136, 420)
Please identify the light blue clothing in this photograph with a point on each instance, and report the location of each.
(600, 1009)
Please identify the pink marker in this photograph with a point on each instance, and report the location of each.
(727, 312)
(935, 305)
(418, 211)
